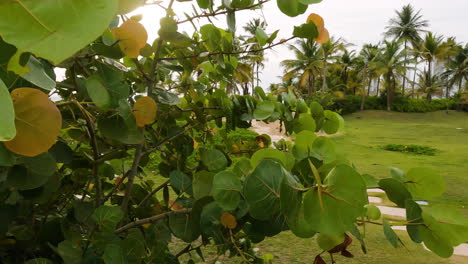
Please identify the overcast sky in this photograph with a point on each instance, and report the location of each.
(357, 21)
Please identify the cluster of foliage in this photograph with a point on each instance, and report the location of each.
(437, 64)
(413, 149)
(74, 180)
(351, 103)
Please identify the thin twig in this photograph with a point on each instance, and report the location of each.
(131, 178)
(153, 192)
(151, 220)
(229, 53)
(96, 154)
(207, 15)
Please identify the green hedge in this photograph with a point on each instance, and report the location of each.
(351, 103)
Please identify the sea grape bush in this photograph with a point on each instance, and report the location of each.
(75, 183)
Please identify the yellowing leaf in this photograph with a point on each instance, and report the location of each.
(195, 144)
(323, 37)
(228, 220)
(144, 111)
(317, 20)
(38, 122)
(132, 37)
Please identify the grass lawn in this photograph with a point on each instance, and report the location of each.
(367, 131)
(364, 135)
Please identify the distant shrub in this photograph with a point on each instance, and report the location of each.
(352, 103)
(413, 149)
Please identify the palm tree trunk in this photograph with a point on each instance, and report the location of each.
(369, 87)
(460, 85)
(324, 77)
(258, 71)
(414, 81)
(363, 93)
(378, 86)
(404, 73)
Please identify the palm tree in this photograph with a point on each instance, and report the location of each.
(329, 49)
(406, 27)
(307, 65)
(256, 58)
(393, 64)
(432, 50)
(345, 61)
(456, 68)
(430, 84)
(368, 55)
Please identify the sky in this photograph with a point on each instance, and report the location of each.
(356, 21)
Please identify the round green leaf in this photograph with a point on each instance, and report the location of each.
(323, 149)
(7, 115)
(264, 110)
(424, 183)
(332, 122)
(226, 190)
(180, 182)
(262, 189)
(98, 92)
(202, 183)
(54, 30)
(343, 201)
(262, 154)
(305, 122)
(291, 8)
(373, 212)
(396, 191)
(214, 160)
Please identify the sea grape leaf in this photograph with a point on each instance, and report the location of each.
(181, 182)
(202, 184)
(214, 160)
(98, 92)
(107, 217)
(390, 234)
(132, 37)
(144, 111)
(55, 29)
(7, 115)
(291, 8)
(342, 201)
(396, 191)
(262, 154)
(38, 122)
(262, 189)
(424, 183)
(413, 216)
(264, 110)
(226, 190)
(331, 123)
(305, 122)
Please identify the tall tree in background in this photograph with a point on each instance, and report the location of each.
(393, 63)
(432, 50)
(407, 27)
(329, 50)
(456, 68)
(256, 58)
(369, 55)
(306, 66)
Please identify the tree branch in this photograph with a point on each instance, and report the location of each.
(229, 53)
(96, 155)
(151, 220)
(153, 192)
(222, 12)
(131, 177)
